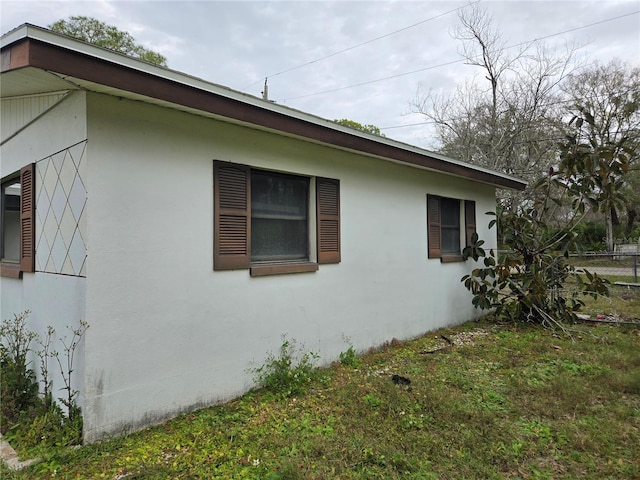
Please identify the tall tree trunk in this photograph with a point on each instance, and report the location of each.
(631, 219)
(609, 230)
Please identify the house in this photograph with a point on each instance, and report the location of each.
(192, 226)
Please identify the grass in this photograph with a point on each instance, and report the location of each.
(623, 302)
(504, 401)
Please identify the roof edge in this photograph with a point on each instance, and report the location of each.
(41, 48)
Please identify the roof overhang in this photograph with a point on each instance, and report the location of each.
(35, 60)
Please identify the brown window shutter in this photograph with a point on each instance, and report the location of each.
(27, 218)
(469, 219)
(433, 226)
(328, 220)
(232, 216)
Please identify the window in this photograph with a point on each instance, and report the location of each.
(279, 224)
(17, 215)
(450, 226)
(444, 227)
(263, 220)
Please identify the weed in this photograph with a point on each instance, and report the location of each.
(34, 423)
(18, 386)
(289, 373)
(372, 400)
(349, 358)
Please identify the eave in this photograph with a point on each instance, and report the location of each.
(95, 69)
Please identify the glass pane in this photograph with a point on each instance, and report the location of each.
(450, 225)
(11, 221)
(278, 195)
(450, 240)
(450, 212)
(278, 217)
(274, 239)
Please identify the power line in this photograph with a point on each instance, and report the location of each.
(458, 60)
(363, 43)
(543, 105)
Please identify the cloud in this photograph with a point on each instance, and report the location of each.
(238, 44)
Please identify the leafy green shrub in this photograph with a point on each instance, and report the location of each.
(592, 236)
(18, 386)
(30, 420)
(283, 375)
(528, 283)
(349, 358)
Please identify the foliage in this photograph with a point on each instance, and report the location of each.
(528, 282)
(98, 33)
(350, 358)
(33, 420)
(358, 126)
(66, 370)
(591, 235)
(18, 386)
(290, 373)
(505, 401)
(596, 171)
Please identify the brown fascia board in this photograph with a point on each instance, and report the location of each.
(29, 52)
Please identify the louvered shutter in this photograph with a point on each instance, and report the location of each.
(328, 220)
(232, 216)
(27, 218)
(469, 219)
(433, 227)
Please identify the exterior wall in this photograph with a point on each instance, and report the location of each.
(169, 334)
(50, 130)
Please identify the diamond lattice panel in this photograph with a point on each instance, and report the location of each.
(60, 219)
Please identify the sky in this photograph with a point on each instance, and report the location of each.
(361, 60)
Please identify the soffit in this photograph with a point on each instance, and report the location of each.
(31, 81)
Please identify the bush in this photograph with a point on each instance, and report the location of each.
(592, 236)
(18, 385)
(349, 358)
(283, 375)
(30, 420)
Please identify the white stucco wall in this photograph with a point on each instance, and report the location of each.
(168, 333)
(53, 299)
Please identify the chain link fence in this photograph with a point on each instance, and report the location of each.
(621, 266)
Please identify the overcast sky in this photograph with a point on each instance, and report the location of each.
(361, 60)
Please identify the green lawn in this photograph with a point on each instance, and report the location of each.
(622, 304)
(502, 402)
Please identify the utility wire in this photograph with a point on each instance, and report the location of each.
(543, 105)
(363, 43)
(458, 60)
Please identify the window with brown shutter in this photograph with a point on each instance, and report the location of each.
(17, 219)
(328, 220)
(469, 220)
(232, 220)
(261, 220)
(444, 227)
(433, 226)
(27, 218)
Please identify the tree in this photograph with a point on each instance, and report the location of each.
(506, 121)
(606, 100)
(528, 282)
(358, 126)
(98, 33)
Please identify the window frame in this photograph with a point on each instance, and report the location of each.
(26, 260)
(232, 222)
(467, 213)
(279, 217)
